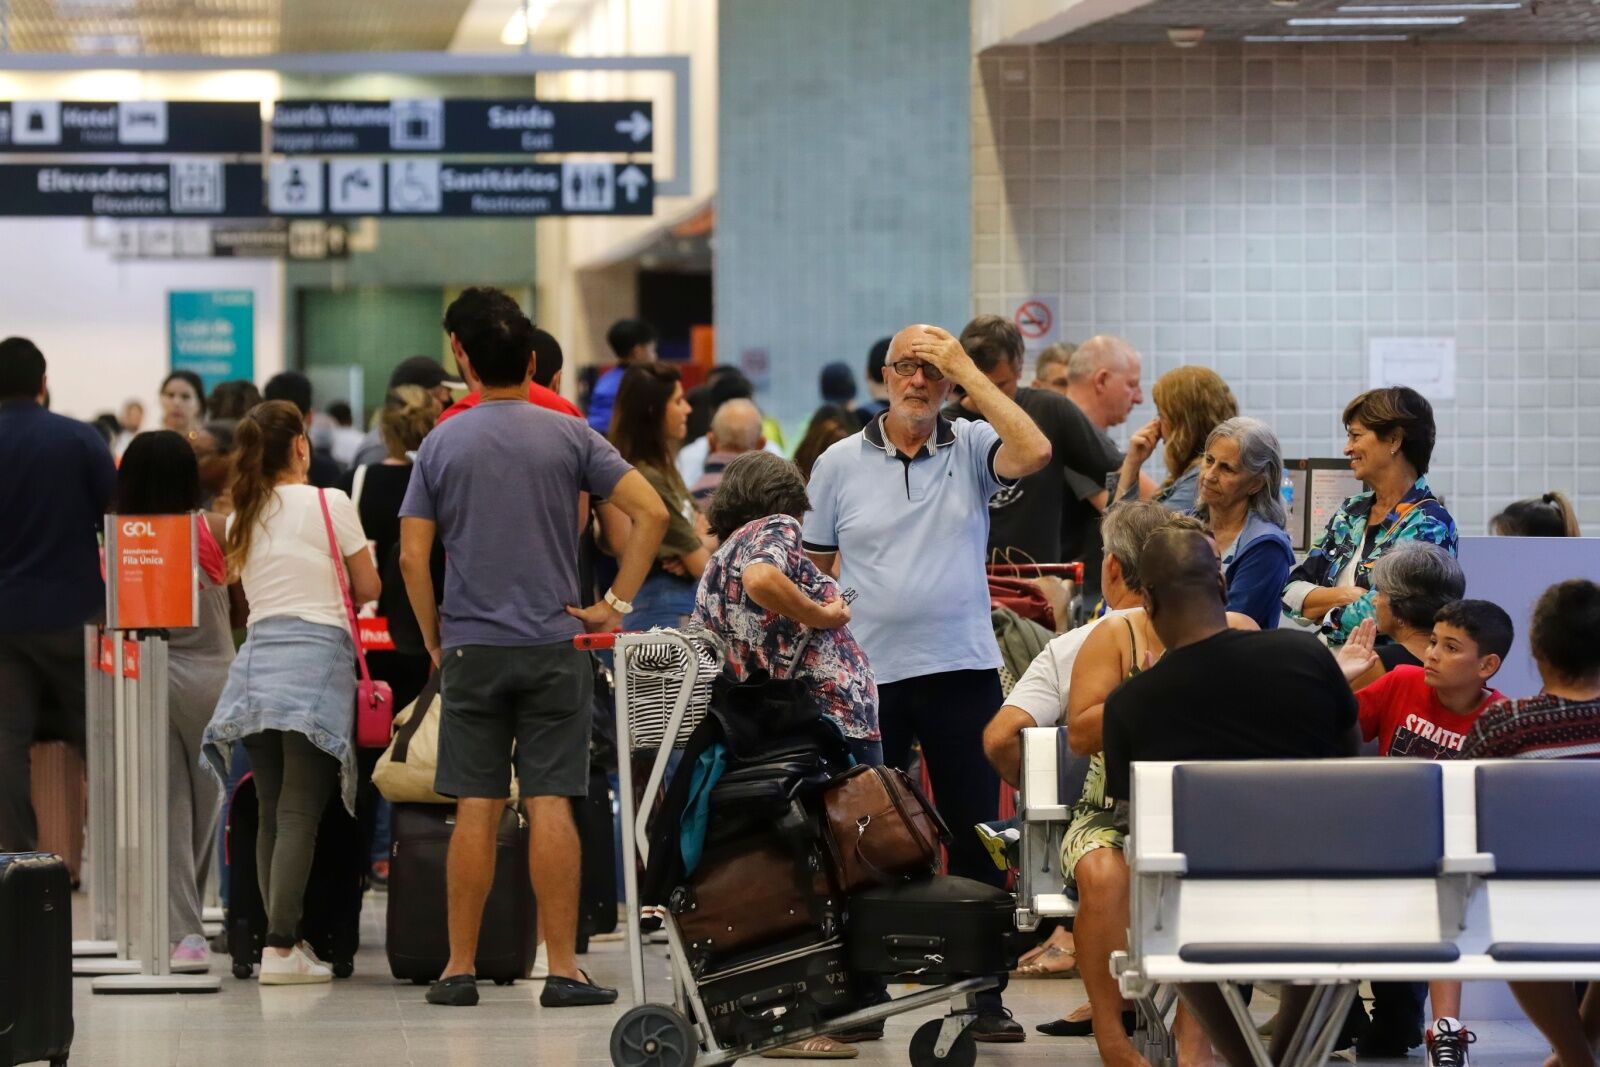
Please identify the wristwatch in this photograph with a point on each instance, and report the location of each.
(620, 606)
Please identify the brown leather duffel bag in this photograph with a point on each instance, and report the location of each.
(881, 830)
(751, 894)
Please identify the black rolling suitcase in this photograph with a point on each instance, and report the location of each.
(941, 927)
(35, 958)
(782, 993)
(597, 899)
(331, 920)
(418, 940)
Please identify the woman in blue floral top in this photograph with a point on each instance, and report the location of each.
(760, 593)
(1390, 435)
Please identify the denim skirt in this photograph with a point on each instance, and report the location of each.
(289, 675)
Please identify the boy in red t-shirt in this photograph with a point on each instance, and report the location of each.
(1426, 713)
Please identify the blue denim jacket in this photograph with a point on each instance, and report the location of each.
(290, 675)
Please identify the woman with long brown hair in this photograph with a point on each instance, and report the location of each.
(829, 425)
(290, 695)
(1190, 402)
(648, 425)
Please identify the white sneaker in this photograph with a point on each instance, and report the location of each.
(541, 964)
(299, 967)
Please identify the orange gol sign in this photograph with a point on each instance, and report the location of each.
(153, 582)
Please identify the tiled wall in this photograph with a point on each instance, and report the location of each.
(1265, 210)
(844, 181)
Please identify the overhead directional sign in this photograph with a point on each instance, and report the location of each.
(154, 126)
(459, 127)
(193, 188)
(261, 238)
(423, 188)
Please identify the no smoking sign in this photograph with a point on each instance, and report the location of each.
(1036, 321)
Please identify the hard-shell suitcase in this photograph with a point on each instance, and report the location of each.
(35, 958)
(597, 893)
(418, 940)
(944, 926)
(778, 994)
(331, 919)
(754, 893)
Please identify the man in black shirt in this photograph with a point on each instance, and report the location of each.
(1102, 379)
(1190, 706)
(58, 482)
(1027, 518)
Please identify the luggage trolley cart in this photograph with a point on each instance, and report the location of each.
(663, 690)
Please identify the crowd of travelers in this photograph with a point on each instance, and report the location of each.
(500, 520)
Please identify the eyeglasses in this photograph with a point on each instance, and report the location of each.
(907, 367)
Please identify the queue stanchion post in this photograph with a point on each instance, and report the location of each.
(99, 876)
(111, 651)
(152, 585)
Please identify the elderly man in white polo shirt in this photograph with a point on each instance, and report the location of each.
(902, 509)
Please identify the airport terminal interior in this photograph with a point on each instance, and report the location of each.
(666, 532)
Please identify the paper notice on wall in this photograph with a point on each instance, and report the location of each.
(1328, 490)
(1426, 364)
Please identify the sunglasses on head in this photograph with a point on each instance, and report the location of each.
(907, 367)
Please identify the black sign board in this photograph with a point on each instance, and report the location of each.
(260, 238)
(430, 188)
(153, 126)
(196, 188)
(459, 127)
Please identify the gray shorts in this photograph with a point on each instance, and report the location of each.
(536, 696)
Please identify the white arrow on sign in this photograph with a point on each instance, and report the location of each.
(632, 180)
(637, 126)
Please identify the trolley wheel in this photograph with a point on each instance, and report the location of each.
(653, 1035)
(420, 981)
(242, 970)
(964, 1053)
(504, 981)
(344, 968)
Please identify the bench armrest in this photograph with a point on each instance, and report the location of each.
(1162, 863)
(1471, 863)
(1044, 812)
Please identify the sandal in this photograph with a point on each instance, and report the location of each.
(1053, 962)
(813, 1048)
(1032, 954)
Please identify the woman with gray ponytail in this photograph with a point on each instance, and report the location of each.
(1241, 473)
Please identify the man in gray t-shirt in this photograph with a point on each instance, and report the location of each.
(499, 485)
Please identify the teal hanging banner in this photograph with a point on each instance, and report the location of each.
(213, 333)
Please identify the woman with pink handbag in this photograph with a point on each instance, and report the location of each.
(292, 687)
